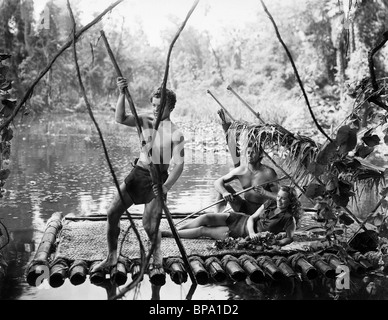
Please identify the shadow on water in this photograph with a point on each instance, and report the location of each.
(58, 165)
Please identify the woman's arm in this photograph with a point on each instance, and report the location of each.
(289, 234)
(252, 220)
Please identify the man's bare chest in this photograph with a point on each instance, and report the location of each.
(253, 178)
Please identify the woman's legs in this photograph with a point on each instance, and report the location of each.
(210, 225)
(216, 233)
(207, 220)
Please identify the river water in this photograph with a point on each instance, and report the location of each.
(58, 165)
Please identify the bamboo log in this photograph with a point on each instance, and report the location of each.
(355, 267)
(157, 275)
(269, 267)
(39, 264)
(96, 277)
(119, 272)
(252, 269)
(58, 272)
(233, 269)
(175, 267)
(284, 267)
(332, 260)
(214, 267)
(299, 263)
(322, 267)
(77, 272)
(199, 271)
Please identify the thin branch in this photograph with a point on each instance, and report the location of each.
(296, 72)
(30, 90)
(163, 101)
(142, 251)
(164, 83)
(376, 98)
(380, 44)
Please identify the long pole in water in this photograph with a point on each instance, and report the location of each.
(234, 194)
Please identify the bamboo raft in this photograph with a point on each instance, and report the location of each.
(70, 247)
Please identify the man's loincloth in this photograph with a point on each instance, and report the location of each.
(139, 185)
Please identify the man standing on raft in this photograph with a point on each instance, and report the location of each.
(137, 187)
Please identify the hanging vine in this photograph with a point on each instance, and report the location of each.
(6, 134)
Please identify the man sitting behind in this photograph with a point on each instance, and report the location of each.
(249, 174)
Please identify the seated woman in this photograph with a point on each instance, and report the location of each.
(275, 217)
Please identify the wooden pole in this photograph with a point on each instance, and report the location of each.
(126, 91)
(234, 194)
(227, 112)
(257, 114)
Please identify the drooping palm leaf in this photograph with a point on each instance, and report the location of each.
(302, 157)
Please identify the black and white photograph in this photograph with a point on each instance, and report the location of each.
(214, 154)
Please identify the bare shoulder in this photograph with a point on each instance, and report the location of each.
(241, 170)
(270, 172)
(177, 134)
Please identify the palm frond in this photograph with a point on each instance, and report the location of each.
(294, 153)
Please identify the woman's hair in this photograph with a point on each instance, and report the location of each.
(295, 204)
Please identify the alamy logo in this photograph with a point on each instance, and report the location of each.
(343, 279)
(39, 282)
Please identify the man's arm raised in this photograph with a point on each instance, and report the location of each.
(120, 114)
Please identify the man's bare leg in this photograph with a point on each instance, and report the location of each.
(115, 211)
(150, 217)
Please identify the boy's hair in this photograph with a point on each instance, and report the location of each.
(256, 148)
(170, 97)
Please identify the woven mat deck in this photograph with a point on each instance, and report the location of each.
(86, 240)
